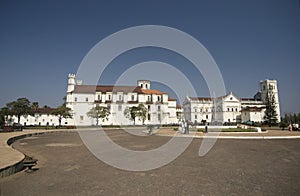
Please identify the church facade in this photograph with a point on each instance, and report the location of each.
(81, 98)
(230, 108)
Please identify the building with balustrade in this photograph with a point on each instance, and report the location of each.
(230, 108)
(161, 109)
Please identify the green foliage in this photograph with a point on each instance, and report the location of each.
(291, 118)
(62, 112)
(270, 113)
(18, 108)
(35, 106)
(283, 125)
(134, 112)
(99, 112)
(3, 115)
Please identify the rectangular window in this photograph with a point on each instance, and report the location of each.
(86, 99)
(196, 116)
(158, 108)
(120, 97)
(149, 117)
(195, 110)
(159, 117)
(132, 97)
(148, 107)
(149, 98)
(206, 116)
(75, 99)
(120, 107)
(99, 97)
(81, 117)
(109, 97)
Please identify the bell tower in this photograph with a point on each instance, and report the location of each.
(71, 83)
(270, 86)
(144, 84)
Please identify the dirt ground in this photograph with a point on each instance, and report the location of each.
(232, 167)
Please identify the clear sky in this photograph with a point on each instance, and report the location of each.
(41, 42)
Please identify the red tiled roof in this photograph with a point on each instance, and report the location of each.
(149, 92)
(171, 99)
(85, 89)
(247, 99)
(253, 109)
(44, 110)
(201, 98)
(124, 89)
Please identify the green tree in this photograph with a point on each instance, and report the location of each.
(20, 107)
(62, 112)
(35, 106)
(4, 112)
(99, 112)
(270, 113)
(134, 112)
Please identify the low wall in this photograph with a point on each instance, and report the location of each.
(7, 171)
(18, 166)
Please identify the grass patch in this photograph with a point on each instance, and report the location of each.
(228, 130)
(238, 130)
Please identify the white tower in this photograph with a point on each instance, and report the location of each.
(144, 84)
(267, 86)
(71, 83)
(70, 89)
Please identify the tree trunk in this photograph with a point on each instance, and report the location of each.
(19, 119)
(59, 121)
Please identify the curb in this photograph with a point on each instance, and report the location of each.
(18, 166)
(235, 137)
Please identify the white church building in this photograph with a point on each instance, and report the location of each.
(81, 98)
(230, 108)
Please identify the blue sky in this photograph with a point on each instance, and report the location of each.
(42, 41)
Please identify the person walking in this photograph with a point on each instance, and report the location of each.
(290, 127)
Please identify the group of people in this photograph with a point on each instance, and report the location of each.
(185, 129)
(293, 127)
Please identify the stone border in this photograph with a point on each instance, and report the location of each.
(17, 164)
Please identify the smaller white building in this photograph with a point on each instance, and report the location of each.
(41, 117)
(253, 114)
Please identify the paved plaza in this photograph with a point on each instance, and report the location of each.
(232, 167)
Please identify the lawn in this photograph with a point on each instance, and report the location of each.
(228, 130)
